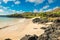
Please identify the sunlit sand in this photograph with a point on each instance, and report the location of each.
(20, 28)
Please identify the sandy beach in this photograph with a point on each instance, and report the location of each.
(17, 29)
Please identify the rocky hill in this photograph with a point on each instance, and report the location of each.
(56, 10)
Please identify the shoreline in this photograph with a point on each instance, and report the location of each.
(20, 29)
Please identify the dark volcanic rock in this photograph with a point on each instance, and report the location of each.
(57, 20)
(29, 37)
(36, 20)
(51, 33)
(8, 39)
(39, 20)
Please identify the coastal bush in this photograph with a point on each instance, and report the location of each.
(57, 20)
(16, 15)
(53, 14)
(42, 15)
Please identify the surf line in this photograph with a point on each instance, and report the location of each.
(11, 25)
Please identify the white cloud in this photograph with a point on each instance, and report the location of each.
(48, 10)
(14, 11)
(55, 7)
(30, 0)
(35, 10)
(5, 1)
(17, 2)
(51, 9)
(42, 9)
(45, 7)
(45, 10)
(0, 2)
(50, 1)
(21, 11)
(1, 10)
(35, 1)
(4, 8)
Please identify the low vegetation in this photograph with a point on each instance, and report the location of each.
(50, 16)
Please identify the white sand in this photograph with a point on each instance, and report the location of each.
(18, 29)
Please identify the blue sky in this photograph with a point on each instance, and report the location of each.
(20, 6)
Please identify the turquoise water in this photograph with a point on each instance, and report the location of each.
(4, 19)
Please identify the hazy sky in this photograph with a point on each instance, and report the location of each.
(20, 6)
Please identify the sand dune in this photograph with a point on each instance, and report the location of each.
(20, 29)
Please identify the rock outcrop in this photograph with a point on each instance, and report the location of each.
(29, 37)
(51, 33)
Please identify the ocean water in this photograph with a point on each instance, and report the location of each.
(5, 21)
